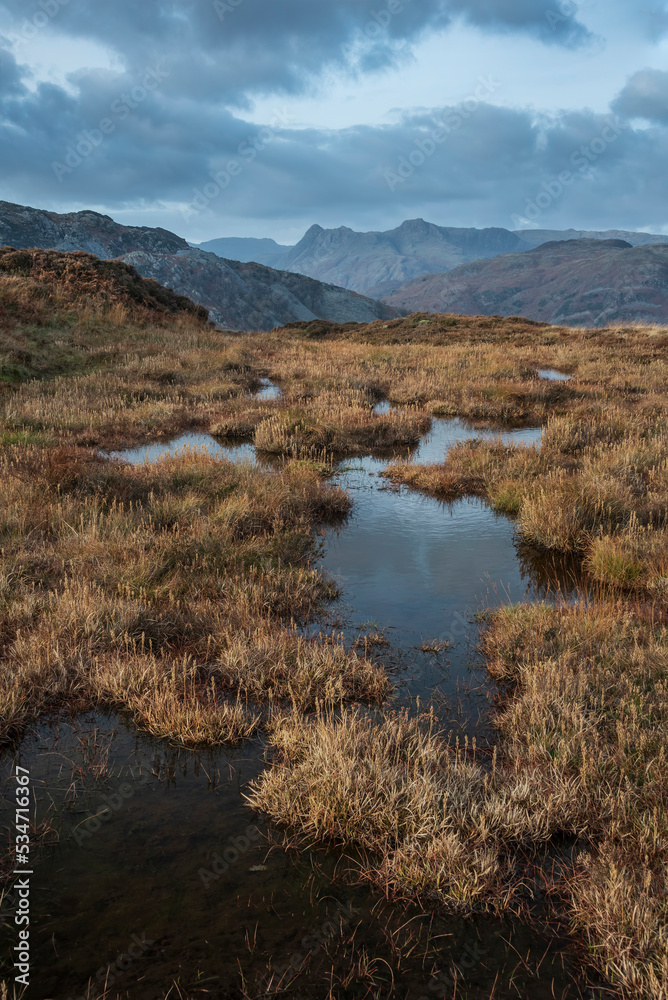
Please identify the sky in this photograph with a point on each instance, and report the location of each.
(261, 117)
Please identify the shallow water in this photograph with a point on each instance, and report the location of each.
(415, 571)
(554, 376)
(160, 855)
(138, 845)
(268, 391)
(145, 454)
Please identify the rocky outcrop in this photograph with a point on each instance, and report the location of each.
(24, 227)
(248, 296)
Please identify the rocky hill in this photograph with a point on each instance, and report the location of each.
(62, 280)
(249, 296)
(24, 227)
(376, 263)
(535, 237)
(577, 282)
(238, 296)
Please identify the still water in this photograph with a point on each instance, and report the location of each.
(161, 875)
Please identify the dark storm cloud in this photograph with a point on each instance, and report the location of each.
(10, 73)
(160, 131)
(233, 48)
(554, 21)
(475, 163)
(645, 96)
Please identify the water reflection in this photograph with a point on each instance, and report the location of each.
(146, 454)
(268, 391)
(417, 572)
(178, 860)
(552, 375)
(157, 850)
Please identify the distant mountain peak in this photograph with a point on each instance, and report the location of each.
(417, 225)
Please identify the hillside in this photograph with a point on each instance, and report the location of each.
(576, 282)
(23, 227)
(247, 296)
(240, 297)
(77, 278)
(55, 308)
(535, 237)
(247, 249)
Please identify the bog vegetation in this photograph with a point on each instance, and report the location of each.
(174, 591)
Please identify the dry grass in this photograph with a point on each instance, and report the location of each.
(481, 368)
(113, 574)
(583, 755)
(597, 488)
(340, 422)
(172, 591)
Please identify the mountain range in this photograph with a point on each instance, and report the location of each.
(576, 277)
(238, 296)
(375, 264)
(581, 282)
(378, 263)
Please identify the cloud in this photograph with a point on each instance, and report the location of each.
(10, 74)
(645, 96)
(488, 164)
(164, 123)
(232, 49)
(553, 21)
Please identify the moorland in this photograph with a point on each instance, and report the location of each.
(173, 592)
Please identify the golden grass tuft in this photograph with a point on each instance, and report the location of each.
(582, 758)
(113, 574)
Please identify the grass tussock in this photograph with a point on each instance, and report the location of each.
(598, 489)
(112, 575)
(340, 422)
(582, 761)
